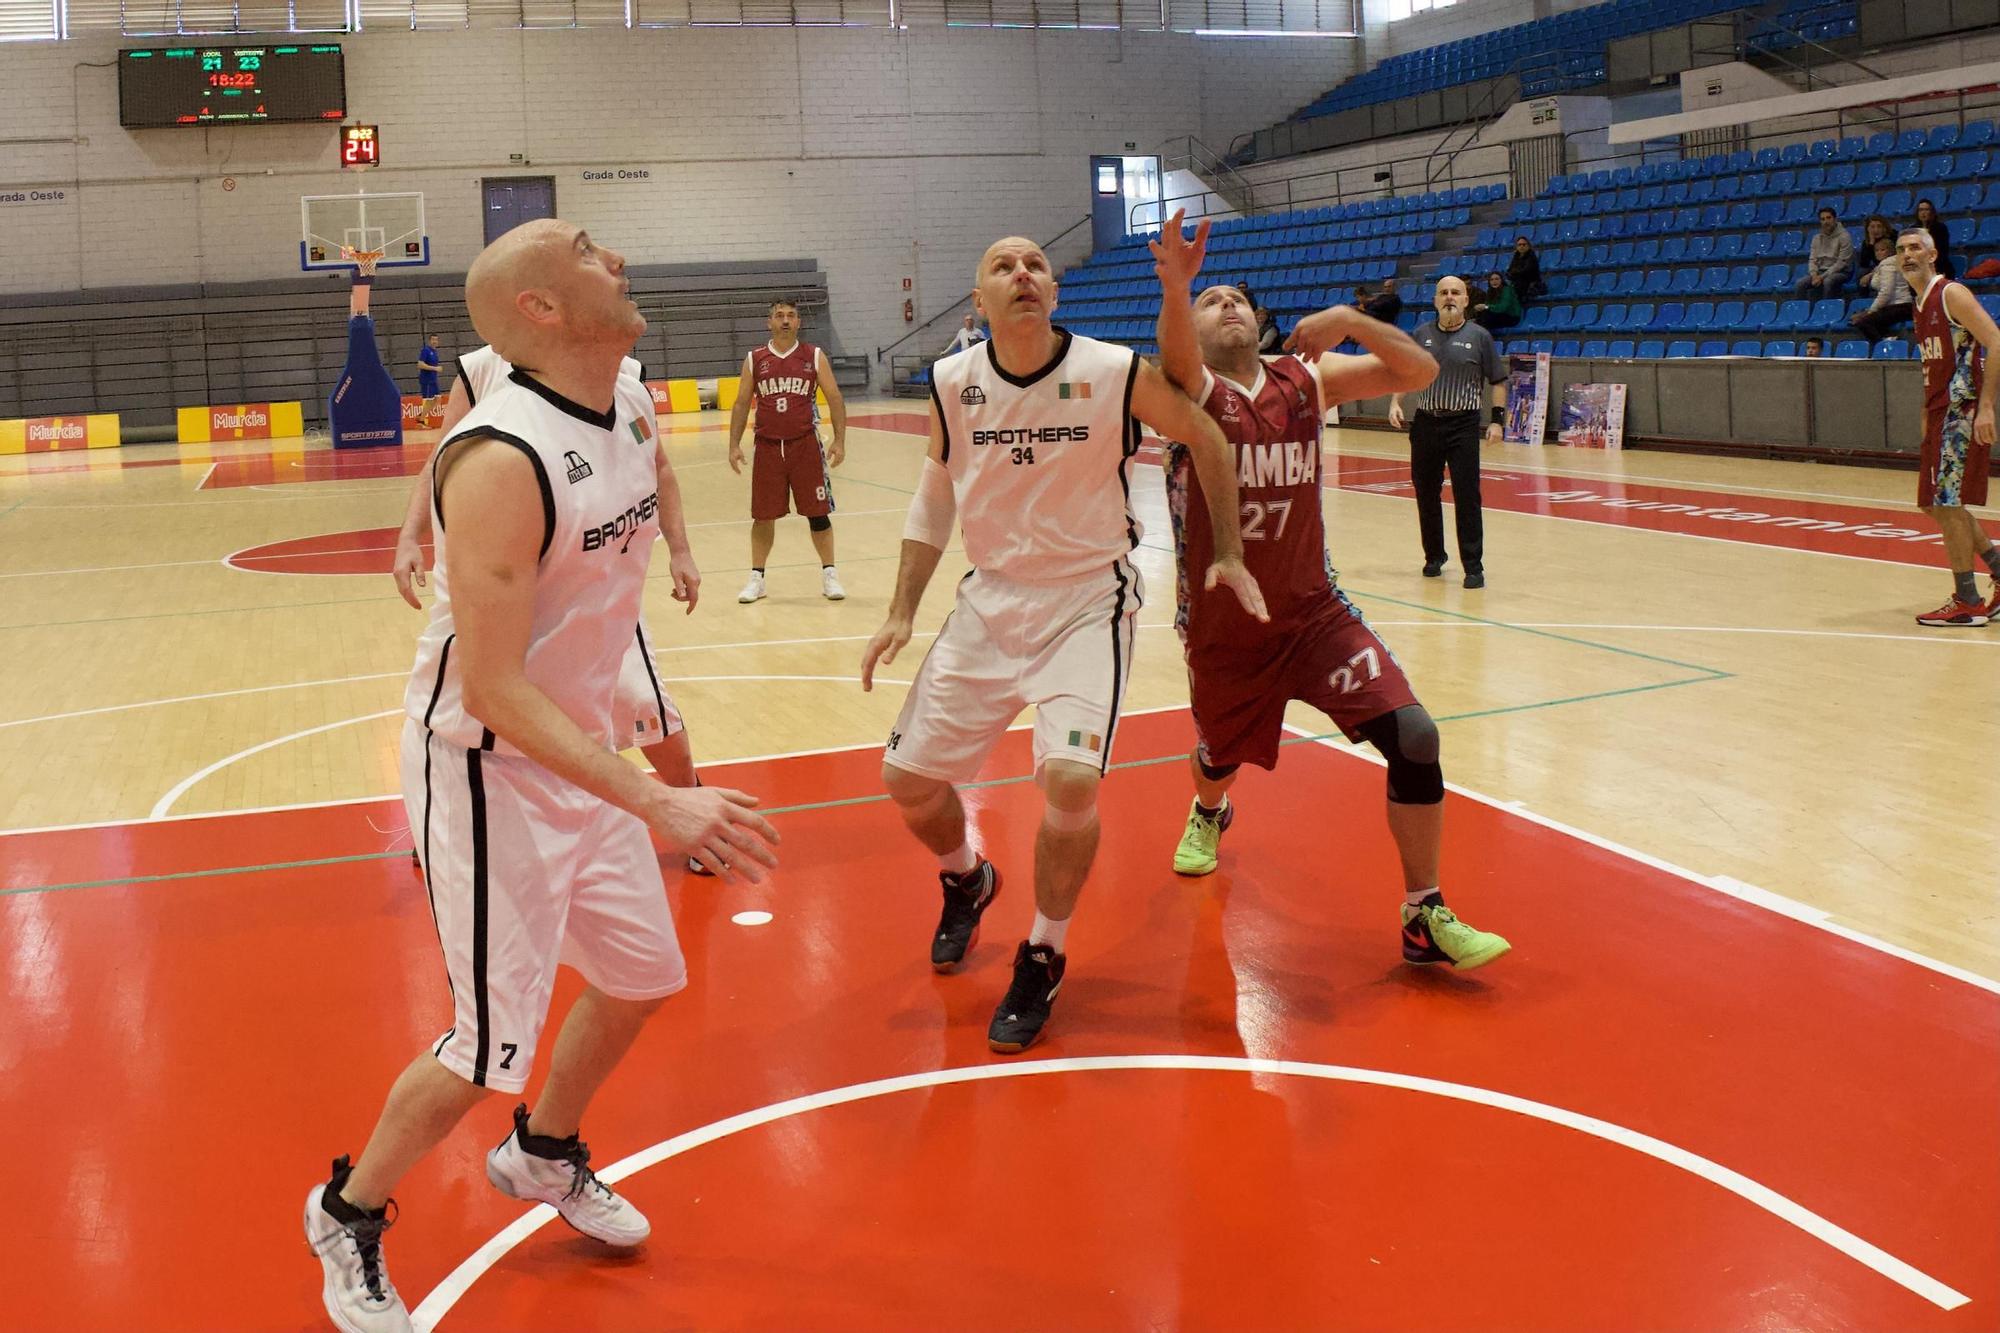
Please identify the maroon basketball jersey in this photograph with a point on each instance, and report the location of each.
(1954, 362)
(1273, 428)
(784, 386)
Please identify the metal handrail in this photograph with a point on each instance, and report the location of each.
(957, 307)
(1202, 161)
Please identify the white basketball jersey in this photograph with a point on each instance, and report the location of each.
(485, 370)
(1038, 465)
(600, 510)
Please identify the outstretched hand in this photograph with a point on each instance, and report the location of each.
(1176, 259)
(1232, 571)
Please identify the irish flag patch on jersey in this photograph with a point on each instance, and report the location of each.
(639, 431)
(1072, 391)
(1084, 740)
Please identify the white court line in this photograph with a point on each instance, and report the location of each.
(179, 789)
(397, 796)
(447, 1293)
(192, 698)
(1734, 888)
(206, 475)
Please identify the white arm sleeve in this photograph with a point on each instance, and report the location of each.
(934, 511)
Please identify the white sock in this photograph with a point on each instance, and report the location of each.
(959, 862)
(1048, 932)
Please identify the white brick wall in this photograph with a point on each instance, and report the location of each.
(879, 153)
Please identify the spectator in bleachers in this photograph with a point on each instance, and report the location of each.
(1928, 219)
(1876, 228)
(1524, 272)
(1831, 261)
(1893, 299)
(1815, 347)
(1268, 336)
(1498, 306)
(1385, 305)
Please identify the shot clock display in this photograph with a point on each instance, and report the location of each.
(360, 146)
(230, 85)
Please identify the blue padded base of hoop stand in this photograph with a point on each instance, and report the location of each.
(365, 409)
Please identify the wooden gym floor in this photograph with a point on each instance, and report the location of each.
(1734, 809)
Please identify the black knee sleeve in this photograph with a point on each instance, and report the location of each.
(1214, 774)
(820, 522)
(1408, 739)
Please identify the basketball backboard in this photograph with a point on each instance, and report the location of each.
(390, 223)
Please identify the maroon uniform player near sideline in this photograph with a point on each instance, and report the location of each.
(790, 470)
(1316, 647)
(1959, 342)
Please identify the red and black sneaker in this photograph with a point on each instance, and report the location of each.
(1038, 975)
(1956, 614)
(965, 900)
(1993, 604)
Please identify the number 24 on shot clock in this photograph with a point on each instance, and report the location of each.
(360, 146)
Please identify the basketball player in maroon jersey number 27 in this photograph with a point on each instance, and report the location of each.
(1315, 647)
(1957, 339)
(784, 375)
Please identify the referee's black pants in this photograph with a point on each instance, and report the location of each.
(1441, 440)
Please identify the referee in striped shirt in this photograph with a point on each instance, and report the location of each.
(1445, 431)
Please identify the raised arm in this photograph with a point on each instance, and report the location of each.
(1173, 414)
(926, 533)
(739, 411)
(492, 506)
(1176, 261)
(836, 409)
(1393, 363)
(407, 565)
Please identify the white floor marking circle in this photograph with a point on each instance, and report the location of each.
(752, 918)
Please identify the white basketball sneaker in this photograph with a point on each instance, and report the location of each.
(355, 1287)
(557, 1172)
(753, 591)
(829, 585)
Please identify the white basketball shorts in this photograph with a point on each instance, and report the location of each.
(525, 871)
(1064, 648)
(643, 713)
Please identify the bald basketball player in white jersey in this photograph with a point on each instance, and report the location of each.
(645, 716)
(1031, 437)
(534, 833)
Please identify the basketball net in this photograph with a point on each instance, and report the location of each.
(364, 261)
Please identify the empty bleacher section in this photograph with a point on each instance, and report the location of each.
(1476, 77)
(143, 352)
(1294, 262)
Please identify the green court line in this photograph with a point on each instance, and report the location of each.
(806, 807)
(12, 507)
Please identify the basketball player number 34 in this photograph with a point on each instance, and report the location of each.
(1347, 682)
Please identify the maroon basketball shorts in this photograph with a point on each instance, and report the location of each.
(1335, 662)
(793, 470)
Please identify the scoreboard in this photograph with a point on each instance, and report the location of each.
(231, 85)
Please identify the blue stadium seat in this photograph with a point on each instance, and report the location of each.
(1852, 349)
(1622, 349)
(1781, 347)
(1904, 171)
(1828, 314)
(1610, 318)
(1976, 135)
(1643, 253)
(1680, 348)
(1713, 347)
(1989, 231)
(1730, 317)
(1870, 175)
(1546, 346)
(1941, 137)
(1686, 281)
(1892, 349)
(1760, 316)
(1898, 203)
(1793, 315)
(1668, 318)
(1594, 348)
(1961, 198)
(1880, 145)
(1746, 347)
(1568, 347)
(1638, 318)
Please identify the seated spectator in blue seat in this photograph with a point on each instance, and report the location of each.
(1928, 219)
(1497, 305)
(1830, 260)
(1524, 271)
(1814, 347)
(1893, 301)
(1268, 336)
(1876, 228)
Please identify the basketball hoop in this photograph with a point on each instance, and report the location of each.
(364, 261)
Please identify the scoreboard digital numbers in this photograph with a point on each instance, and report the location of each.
(360, 146)
(230, 85)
